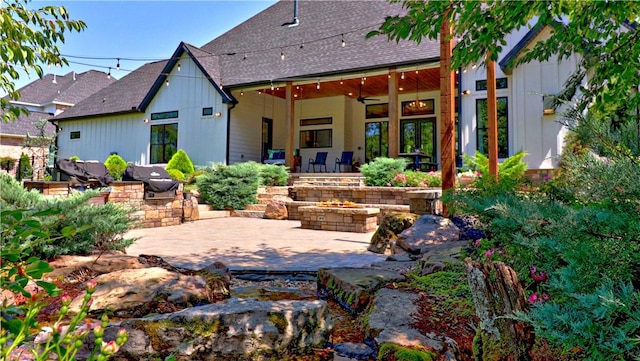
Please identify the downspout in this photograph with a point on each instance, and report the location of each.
(459, 110)
(55, 142)
(233, 105)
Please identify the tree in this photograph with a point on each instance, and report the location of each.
(29, 40)
(41, 146)
(602, 32)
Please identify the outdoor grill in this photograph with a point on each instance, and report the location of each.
(157, 183)
(84, 173)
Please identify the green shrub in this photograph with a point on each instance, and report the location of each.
(230, 186)
(7, 163)
(115, 166)
(510, 172)
(180, 161)
(193, 176)
(381, 171)
(74, 158)
(98, 227)
(274, 175)
(25, 170)
(176, 174)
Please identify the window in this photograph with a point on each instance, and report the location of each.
(418, 134)
(376, 140)
(501, 83)
(164, 115)
(164, 142)
(207, 111)
(74, 135)
(482, 134)
(321, 138)
(316, 121)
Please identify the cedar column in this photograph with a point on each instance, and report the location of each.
(394, 123)
(447, 111)
(289, 119)
(492, 114)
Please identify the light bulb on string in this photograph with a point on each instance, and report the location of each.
(318, 85)
(54, 81)
(109, 73)
(118, 64)
(244, 57)
(179, 67)
(302, 45)
(272, 86)
(166, 82)
(402, 76)
(342, 42)
(241, 92)
(281, 54)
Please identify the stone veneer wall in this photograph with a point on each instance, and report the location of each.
(151, 212)
(359, 220)
(361, 195)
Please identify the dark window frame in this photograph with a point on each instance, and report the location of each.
(501, 83)
(72, 135)
(207, 111)
(418, 123)
(165, 115)
(316, 121)
(313, 139)
(163, 143)
(503, 149)
(383, 144)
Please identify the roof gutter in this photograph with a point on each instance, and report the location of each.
(122, 112)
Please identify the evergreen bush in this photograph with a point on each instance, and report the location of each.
(176, 174)
(381, 171)
(98, 227)
(180, 161)
(274, 175)
(7, 163)
(510, 172)
(25, 170)
(115, 166)
(230, 186)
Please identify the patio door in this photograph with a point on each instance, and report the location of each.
(418, 134)
(267, 137)
(376, 140)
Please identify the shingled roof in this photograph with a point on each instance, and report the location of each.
(68, 89)
(250, 53)
(322, 26)
(26, 124)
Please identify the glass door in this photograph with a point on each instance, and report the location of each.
(376, 140)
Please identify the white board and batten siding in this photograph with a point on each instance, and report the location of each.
(540, 136)
(188, 92)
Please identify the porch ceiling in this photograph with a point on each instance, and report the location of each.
(372, 86)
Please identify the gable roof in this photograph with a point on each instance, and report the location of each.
(323, 24)
(68, 89)
(26, 124)
(521, 45)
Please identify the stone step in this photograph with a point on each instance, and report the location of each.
(247, 214)
(274, 190)
(205, 212)
(256, 207)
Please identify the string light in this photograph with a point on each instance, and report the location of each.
(318, 85)
(272, 86)
(244, 57)
(167, 82)
(109, 74)
(402, 76)
(342, 42)
(241, 92)
(281, 54)
(179, 67)
(74, 75)
(54, 81)
(118, 64)
(302, 45)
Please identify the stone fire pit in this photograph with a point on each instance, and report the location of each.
(358, 220)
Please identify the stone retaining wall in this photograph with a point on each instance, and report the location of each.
(361, 195)
(358, 220)
(151, 212)
(293, 209)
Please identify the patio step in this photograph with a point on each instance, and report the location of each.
(205, 212)
(256, 207)
(247, 214)
(283, 191)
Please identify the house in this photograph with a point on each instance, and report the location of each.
(43, 98)
(317, 84)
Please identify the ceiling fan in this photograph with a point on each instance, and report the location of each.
(362, 99)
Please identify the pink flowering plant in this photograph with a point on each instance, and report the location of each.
(19, 335)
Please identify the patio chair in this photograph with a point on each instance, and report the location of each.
(321, 160)
(345, 159)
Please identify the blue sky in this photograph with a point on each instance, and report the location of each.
(143, 29)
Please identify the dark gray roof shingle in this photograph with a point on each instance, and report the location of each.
(27, 124)
(65, 89)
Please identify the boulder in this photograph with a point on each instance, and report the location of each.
(353, 287)
(236, 329)
(392, 224)
(353, 351)
(138, 292)
(428, 233)
(66, 266)
(276, 209)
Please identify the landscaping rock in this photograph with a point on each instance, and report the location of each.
(138, 292)
(392, 224)
(396, 266)
(354, 351)
(426, 234)
(65, 266)
(352, 288)
(386, 325)
(236, 329)
(276, 209)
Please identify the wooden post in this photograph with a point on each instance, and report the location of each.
(394, 122)
(492, 114)
(290, 122)
(447, 111)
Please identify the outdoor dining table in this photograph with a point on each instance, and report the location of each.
(420, 159)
